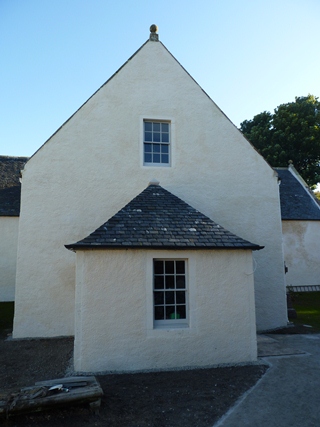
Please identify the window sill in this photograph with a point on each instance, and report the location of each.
(157, 165)
(171, 326)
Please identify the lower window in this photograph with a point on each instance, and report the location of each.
(169, 292)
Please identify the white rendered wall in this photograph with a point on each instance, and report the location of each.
(301, 244)
(92, 166)
(114, 312)
(8, 256)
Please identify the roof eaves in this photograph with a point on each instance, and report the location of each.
(78, 246)
(300, 219)
(9, 214)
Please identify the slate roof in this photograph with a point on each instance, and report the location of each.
(10, 187)
(297, 202)
(158, 219)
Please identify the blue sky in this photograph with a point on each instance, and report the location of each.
(248, 55)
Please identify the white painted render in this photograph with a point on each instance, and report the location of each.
(9, 226)
(114, 311)
(92, 166)
(301, 244)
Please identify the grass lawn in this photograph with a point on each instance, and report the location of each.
(6, 316)
(307, 306)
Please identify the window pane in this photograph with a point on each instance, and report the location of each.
(180, 267)
(158, 267)
(181, 310)
(180, 297)
(170, 311)
(180, 282)
(175, 315)
(165, 137)
(159, 298)
(164, 149)
(148, 158)
(169, 282)
(157, 133)
(159, 313)
(169, 267)
(158, 282)
(148, 136)
(169, 297)
(164, 158)
(164, 127)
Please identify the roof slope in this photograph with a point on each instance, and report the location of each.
(297, 202)
(10, 187)
(158, 219)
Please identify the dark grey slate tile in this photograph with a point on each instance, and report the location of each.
(10, 187)
(157, 218)
(297, 202)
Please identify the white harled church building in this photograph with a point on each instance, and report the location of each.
(150, 228)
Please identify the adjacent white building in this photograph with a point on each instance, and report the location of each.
(9, 222)
(300, 212)
(149, 121)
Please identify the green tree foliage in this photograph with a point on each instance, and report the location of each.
(317, 194)
(291, 133)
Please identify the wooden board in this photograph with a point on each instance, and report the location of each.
(38, 397)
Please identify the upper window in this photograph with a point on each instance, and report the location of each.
(170, 292)
(156, 143)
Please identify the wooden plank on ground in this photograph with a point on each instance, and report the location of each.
(39, 397)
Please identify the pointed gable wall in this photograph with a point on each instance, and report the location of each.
(92, 166)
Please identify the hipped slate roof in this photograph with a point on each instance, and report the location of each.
(158, 219)
(10, 187)
(297, 202)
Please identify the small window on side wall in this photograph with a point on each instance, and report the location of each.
(156, 143)
(170, 293)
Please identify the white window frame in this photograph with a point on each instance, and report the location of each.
(170, 122)
(171, 323)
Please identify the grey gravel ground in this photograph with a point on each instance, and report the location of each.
(191, 398)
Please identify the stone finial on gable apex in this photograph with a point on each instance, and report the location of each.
(154, 182)
(154, 37)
